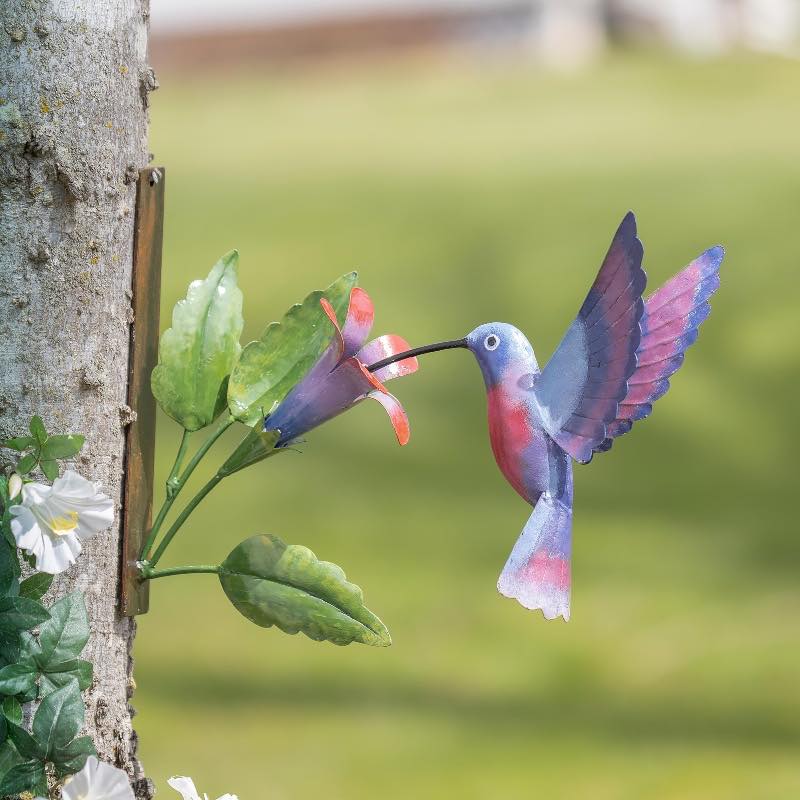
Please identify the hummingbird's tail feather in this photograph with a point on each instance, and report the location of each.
(537, 572)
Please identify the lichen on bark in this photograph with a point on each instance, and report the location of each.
(74, 83)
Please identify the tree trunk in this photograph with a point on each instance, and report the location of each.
(74, 86)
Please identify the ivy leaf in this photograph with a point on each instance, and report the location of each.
(50, 469)
(78, 669)
(37, 429)
(197, 353)
(26, 745)
(272, 583)
(27, 463)
(12, 710)
(26, 777)
(71, 759)
(8, 575)
(17, 678)
(19, 443)
(58, 720)
(20, 614)
(255, 447)
(63, 637)
(271, 366)
(35, 587)
(62, 446)
(9, 757)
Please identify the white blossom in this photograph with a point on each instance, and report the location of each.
(53, 521)
(14, 486)
(185, 787)
(97, 781)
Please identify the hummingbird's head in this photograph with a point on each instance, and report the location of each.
(500, 349)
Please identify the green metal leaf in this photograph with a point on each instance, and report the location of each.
(271, 366)
(35, 587)
(58, 719)
(20, 614)
(255, 447)
(17, 678)
(197, 353)
(272, 583)
(37, 429)
(63, 637)
(26, 777)
(19, 443)
(62, 446)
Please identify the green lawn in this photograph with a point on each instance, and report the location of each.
(464, 194)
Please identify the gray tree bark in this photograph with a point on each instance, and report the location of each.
(74, 84)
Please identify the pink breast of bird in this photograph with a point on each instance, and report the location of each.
(511, 435)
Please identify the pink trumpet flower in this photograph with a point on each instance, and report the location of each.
(341, 379)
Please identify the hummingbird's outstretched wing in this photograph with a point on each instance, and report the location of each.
(580, 387)
(672, 317)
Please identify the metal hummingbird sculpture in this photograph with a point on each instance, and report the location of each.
(613, 363)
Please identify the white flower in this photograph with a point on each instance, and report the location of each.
(52, 521)
(97, 781)
(185, 786)
(14, 486)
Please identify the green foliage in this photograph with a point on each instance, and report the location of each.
(54, 734)
(20, 614)
(272, 583)
(45, 451)
(270, 366)
(197, 353)
(35, 587)
(28, 776)
(63, 637)
(44, 665)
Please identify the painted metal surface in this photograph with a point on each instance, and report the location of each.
(141, 437)
(340, 378)
(613, 363)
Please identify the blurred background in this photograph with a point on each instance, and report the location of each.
(472, 161)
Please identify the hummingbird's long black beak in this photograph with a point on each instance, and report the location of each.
(417, 351)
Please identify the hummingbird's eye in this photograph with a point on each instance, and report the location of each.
(491, 342)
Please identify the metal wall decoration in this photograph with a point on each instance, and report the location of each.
(613, 363)
(141, 441)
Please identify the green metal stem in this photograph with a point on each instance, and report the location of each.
(151, 574)
(170, 495)
(175, 484)
(184, 515)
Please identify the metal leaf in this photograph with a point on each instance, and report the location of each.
(272, 583)
(270, 366)
(197, 353)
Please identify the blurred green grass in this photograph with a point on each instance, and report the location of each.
(463, 194)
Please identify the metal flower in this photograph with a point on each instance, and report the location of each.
(340, 379)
